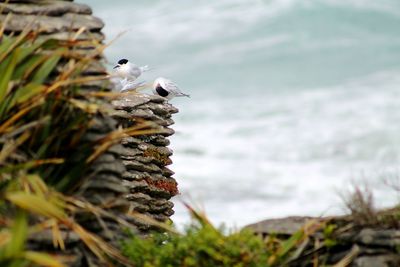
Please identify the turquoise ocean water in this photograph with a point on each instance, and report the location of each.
(292, 100)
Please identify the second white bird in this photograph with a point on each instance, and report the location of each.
(166, 88)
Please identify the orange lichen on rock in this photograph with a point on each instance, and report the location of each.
(168, 185)
(153, 153)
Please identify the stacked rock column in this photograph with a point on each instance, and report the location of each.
(149, 181)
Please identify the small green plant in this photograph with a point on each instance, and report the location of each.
(328, 232)
(200, 245)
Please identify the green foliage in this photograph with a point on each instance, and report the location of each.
(38, 122)
(200, 245)
(19, 232)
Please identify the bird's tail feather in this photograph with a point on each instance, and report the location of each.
(182, 94)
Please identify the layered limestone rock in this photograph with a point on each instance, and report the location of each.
(53, 19)
(145, 157)
(60, 20)
(335, 240)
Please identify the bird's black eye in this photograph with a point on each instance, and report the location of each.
(122, 61)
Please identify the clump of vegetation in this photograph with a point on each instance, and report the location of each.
(360, 203)
(201, 244)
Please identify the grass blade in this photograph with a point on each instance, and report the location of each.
(30, 164)
(6, 70)
(36, 204)
(42, 259)
(5, 126)
(25, 93)
(47, 67)
(19, 234)
(348, 259)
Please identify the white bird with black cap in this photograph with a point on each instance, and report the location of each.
(166, 88)
(128, 70)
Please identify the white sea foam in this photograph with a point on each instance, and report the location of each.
(285, 154)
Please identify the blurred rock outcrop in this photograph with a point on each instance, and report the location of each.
(337, 240)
